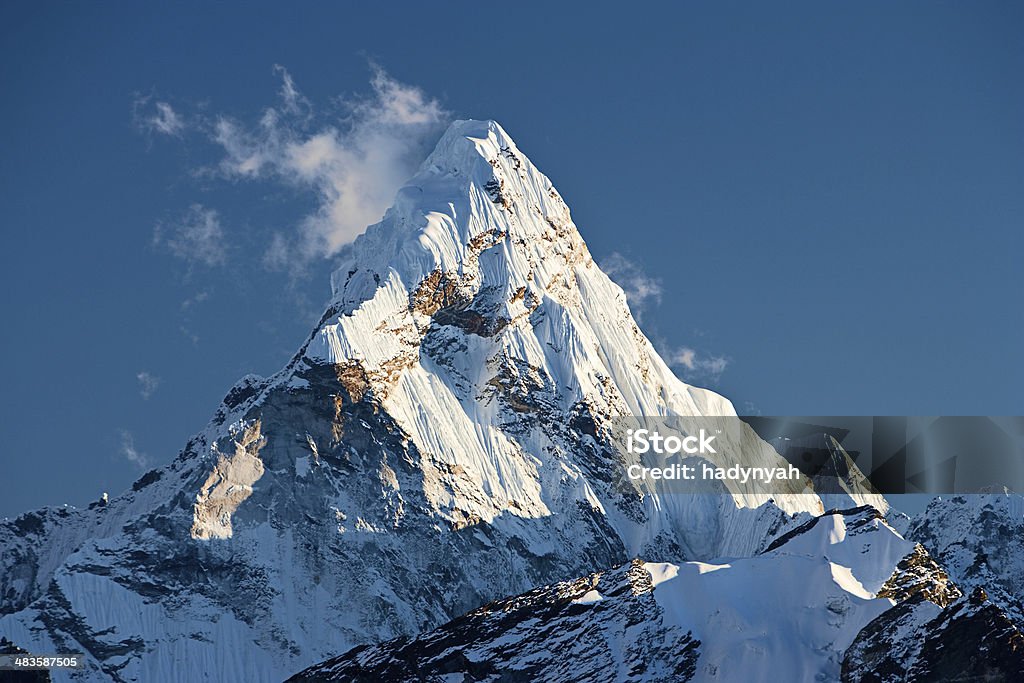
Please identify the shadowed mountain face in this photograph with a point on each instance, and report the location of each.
(440, 441)
(972, 639)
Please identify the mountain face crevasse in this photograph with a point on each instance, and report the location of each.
(440, 441)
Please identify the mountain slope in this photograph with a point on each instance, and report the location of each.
(440, 441)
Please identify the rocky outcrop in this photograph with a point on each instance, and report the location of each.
(919, 576)
(230, 482)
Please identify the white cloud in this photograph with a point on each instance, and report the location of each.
(695, 366)
(292, 100)
(683, 356)
(641, 290)
(197, 238)
(148, 384)
(167, 120)
(354, 166)
(158, 118)
(130, 452)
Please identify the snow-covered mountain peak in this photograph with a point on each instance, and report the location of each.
(474, 192)
(444, 438)
(470, 144)
(474, 313)
(479, 243)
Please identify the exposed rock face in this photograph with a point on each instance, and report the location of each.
(940, 634)
(439, 442)
(229, 484)
(919, 576)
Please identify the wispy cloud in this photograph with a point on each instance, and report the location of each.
(154, 116)
(292, 101)
(695, 366)
(130, 452)
(188, 308)
(148, 384)
(641, 290)
(354, 165)
(198, 298)
(189, 334)
(197, 238)
(750, 408)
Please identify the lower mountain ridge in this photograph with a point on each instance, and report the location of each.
(842, 597)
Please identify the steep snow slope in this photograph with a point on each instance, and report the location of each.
(790, 613)
(441, 440)
(785, 615)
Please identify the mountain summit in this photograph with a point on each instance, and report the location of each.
(441, 440)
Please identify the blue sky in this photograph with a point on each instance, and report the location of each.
(823, 204)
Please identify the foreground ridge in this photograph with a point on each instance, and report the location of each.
(843, 597)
